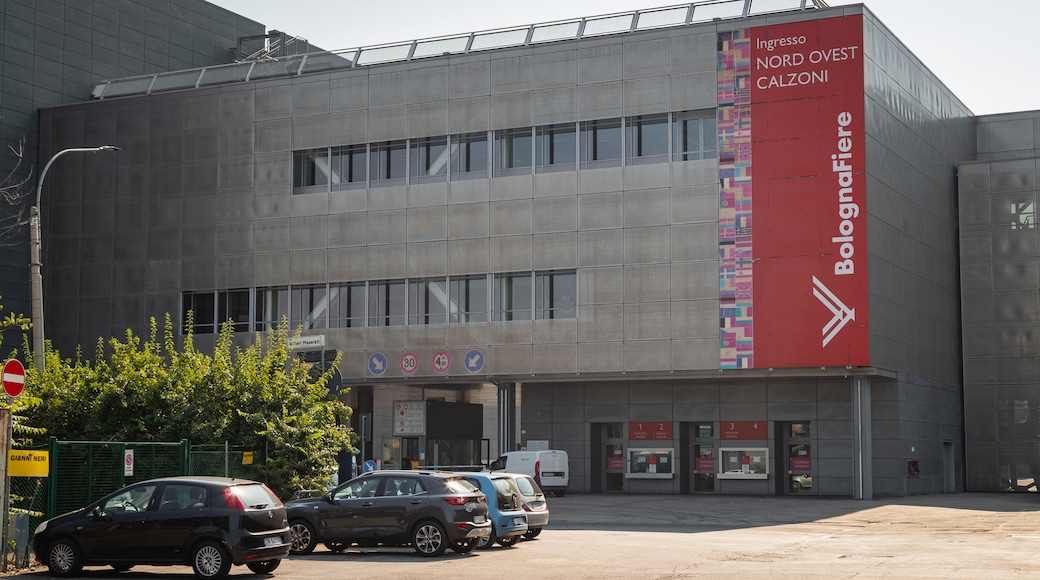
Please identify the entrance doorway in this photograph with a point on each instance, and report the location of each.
(798, 460)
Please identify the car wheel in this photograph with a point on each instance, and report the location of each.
(337, 547)
(210, 560)
(265, 567)
(560, 493)
(63, 558)
(302, 535)
(488, 540)
(796, 486)
(464, 546)
(532, 533)
(509, 541)
(429, 538)
(122, 567)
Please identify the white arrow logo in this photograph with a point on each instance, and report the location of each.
(842, 314)
(377, 363)
(474, 361)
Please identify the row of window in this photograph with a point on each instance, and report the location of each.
(542, 149)
(452, 299)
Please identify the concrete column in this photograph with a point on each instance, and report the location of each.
(862, 451)
(506, 417)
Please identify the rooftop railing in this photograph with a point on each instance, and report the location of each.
(574, 29)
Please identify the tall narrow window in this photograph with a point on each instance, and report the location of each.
(310, 307)
(347, 305)
(513, 151)
(203, 311)
(469, 156)
(386, 303)
(555, 295)
(469, 299)
(388, 160)
(428, 301)
(311, 170)
(429, 161)
(556, 147)
(513, 297)
(233, 305)
(601, 143)
(349, 166)
(271, 305)
(695, 136)
(646, 139)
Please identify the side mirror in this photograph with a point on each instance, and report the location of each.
(96, 512)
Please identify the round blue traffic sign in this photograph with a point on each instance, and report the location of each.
(369, 466)
(377, 364)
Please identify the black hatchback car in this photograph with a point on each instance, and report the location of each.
(429, 510)
(209, 523)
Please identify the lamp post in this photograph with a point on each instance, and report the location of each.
(34, 253)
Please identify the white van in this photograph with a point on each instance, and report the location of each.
(548, 467)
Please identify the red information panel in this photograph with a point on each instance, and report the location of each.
(746, 430)
(800, 464)
(809, 193)
(704, 463)
(615, 464)
(651, 431)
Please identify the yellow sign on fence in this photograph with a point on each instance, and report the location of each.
(22, 463)
(247, 458)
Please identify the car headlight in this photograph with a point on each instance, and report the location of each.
(41, 527)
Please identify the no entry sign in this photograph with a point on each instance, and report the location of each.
(14, 377)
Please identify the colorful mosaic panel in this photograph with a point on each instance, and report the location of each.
(736, 336)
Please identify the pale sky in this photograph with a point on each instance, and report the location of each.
(985, 51)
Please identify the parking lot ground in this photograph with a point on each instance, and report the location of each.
(963, 536)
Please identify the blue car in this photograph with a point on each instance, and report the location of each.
(505, 508)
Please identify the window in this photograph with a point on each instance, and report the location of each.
(271, 305)
(556, 147)
(210, 310)
(388, 161)
(233, 305)
(428, 301)
(1023, 215)
(386, 303)
(203, 311)
(311, 170)
(309, 307)
(695, 136)
(646, 139)
(349, 166)
(429, 159)
(469, 156)
(347, 305)
(555, 295)
(133, 500)
(469, 299)
(513, 151)
(513, 296)
(601, 143)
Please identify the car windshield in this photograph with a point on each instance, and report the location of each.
(135, 499)
(256, 496)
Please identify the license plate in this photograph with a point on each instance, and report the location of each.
(273, 541)
(479, 519)
(518, 521)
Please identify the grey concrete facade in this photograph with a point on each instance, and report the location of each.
(999, 282)
(201, 199)
(54, 51)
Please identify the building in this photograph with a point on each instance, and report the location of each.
(703, 249)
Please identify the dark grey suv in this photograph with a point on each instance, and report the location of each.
(208, 523)
(431, 511)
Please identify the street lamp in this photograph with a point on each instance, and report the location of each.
(34, 253)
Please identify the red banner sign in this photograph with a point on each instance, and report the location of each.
(793, 239)
(651, 431)
(747, 430)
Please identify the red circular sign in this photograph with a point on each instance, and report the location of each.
(14, 377)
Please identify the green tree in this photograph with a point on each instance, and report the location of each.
(259, 398)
